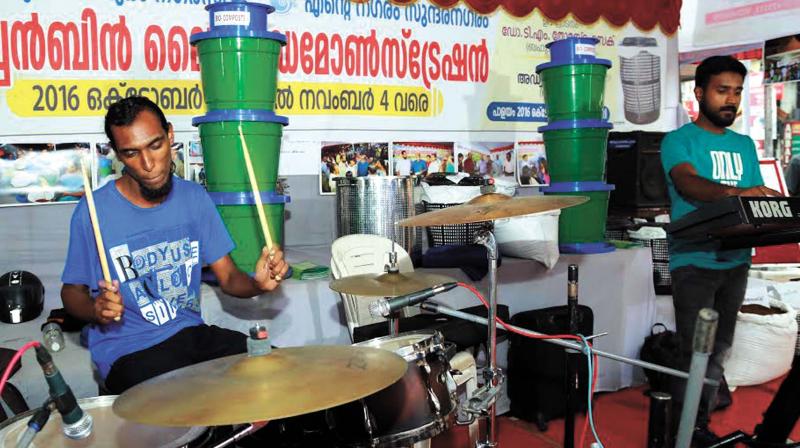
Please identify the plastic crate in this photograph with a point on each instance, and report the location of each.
(451, 234)
(662, 280)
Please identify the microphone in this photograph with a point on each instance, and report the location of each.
(52, 336)
(384, 307)
(76, 423)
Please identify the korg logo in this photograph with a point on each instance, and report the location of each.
(771, 209)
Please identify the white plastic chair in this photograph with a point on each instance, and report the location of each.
(363, 254)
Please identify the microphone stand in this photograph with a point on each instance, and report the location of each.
(434, 307)
(571, 370)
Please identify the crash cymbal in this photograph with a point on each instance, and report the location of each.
(243, 389)
(491, 206)
(389, 284)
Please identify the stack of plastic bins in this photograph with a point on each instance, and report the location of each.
(575, 140)
(239, 68)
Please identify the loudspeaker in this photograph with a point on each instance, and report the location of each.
(633, 165)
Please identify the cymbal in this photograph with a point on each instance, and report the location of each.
(243, 389)
(491, 206)
(388, 284)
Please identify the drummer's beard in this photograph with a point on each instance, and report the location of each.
(155, 194)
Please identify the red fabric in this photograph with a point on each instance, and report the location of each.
(646, 15)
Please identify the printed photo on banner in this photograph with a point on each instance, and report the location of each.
(32, 173)
(195, 170)
(338, 159)
(107, 166)
(422, 158)
(532, 168)
(179, 159)
(782, 59)
(493, 159)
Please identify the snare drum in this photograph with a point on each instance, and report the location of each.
(109, 431)
(417, 407)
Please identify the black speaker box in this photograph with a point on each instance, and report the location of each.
(633, 165)
(536, 369)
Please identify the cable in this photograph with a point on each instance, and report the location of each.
(13, 362)
(592, 359)
(587, 350)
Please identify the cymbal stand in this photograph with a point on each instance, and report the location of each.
(484, 399)
(392, 268)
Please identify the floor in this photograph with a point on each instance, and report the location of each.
(621, 421)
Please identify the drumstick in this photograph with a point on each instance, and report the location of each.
(98, 237)
(256, 194)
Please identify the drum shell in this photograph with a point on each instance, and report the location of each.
(402, 413)
(372, 205)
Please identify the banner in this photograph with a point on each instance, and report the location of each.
(350, 72)
(722, 23)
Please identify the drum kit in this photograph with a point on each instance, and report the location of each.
(392, 391)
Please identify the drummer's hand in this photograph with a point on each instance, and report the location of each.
(108, 304)
(271, 269)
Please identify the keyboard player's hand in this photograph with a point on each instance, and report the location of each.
(760, 191)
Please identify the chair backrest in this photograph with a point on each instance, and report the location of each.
(363, 254)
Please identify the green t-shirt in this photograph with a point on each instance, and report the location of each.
(729, 159)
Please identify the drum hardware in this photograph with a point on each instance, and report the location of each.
(488, 207)
(248, 429)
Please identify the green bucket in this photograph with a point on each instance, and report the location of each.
(222, 148)
(240, 72)
(585, 223)
(576, 150)
(241, 219)
(574, 92)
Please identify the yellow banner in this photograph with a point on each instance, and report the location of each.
(311, 98)
(73, 97)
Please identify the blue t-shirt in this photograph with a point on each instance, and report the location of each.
(156, 254)
(728, 159)
(363, 168)
(418, 166)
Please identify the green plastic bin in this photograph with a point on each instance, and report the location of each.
(576, 150)
(573, 80)
(241, 219)
(574, 92)
(585, 223)
(239, 72)
(222, 148)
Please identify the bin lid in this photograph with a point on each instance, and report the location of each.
(247, 198)
(240, 115)
(572, 51)
(238, 32)
(577, 187)
(575, 124)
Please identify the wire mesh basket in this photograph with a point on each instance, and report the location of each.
(451, 234)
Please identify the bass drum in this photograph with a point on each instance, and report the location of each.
(109, 431)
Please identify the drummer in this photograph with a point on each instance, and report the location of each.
(158, 230)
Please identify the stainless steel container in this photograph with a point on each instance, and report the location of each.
(373, 204)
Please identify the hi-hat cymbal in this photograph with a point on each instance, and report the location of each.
(491, 206)
(388, 284)
(243, 389)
